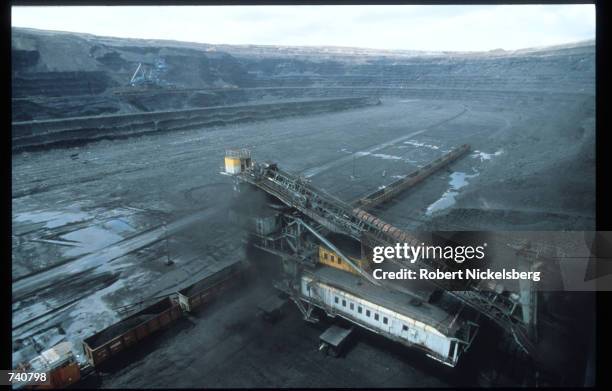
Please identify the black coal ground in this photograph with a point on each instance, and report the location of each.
(534, 168)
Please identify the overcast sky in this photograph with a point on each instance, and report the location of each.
(409, 27)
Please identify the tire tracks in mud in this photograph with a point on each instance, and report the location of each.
(310, 172)
(77, 269)
(33, 284)
(92, 279)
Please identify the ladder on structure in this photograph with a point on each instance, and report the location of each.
(339, 216)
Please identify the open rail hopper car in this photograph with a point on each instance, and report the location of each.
(116, 338)
(201, 292)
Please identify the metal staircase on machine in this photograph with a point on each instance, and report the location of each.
(338, 216)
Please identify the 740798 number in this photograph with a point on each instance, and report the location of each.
(18, 377)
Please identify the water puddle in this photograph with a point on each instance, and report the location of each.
(418, 144)
(118, 226)
(387, 157)
(90, 239)
(97, 237)
(80, 241)
(380, 156)
(457, 181)
(52, 219)
(486, 156)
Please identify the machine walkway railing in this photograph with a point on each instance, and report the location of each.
(341, 217)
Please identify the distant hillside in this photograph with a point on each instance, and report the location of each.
(59, 64)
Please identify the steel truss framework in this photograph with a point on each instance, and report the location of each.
(330, 214)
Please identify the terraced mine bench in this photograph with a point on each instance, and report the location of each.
(68, 131)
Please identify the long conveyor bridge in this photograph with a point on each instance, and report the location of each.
(341, 217)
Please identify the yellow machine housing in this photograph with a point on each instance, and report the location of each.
(330, 258)
(237, 160)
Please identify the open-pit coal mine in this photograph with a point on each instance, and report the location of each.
(118, 201)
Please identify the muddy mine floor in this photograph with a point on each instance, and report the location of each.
(91, 226)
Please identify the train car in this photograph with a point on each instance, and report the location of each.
(201, 292)
(396, 315)
(130, 331)
(59, 366)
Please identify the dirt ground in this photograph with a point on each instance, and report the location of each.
(90, 227)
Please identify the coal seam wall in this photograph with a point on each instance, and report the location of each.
(37, 134)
